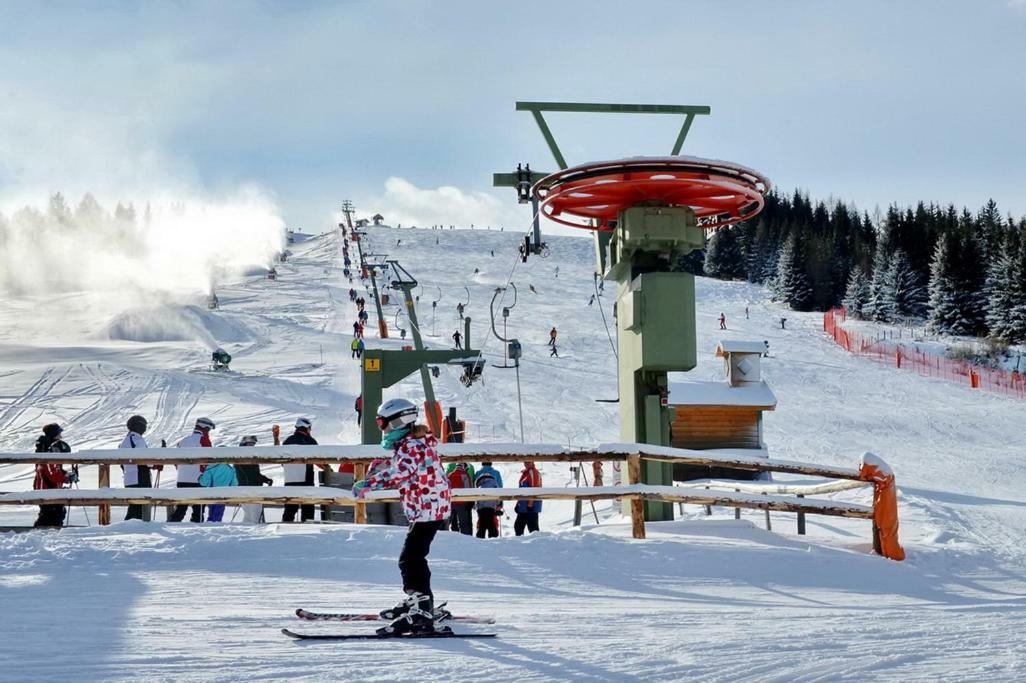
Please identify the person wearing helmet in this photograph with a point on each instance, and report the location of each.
(137, 476)
(52, 475)
(250, 475)
(188, 475)
(416, 470)
(300, 474)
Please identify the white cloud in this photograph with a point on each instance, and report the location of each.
(406, 204)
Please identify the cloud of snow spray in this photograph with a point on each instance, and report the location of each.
(165, 253)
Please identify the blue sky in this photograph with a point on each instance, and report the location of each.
(871, 102)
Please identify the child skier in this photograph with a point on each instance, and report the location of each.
(416, 470)
(218, 474)
(488, 511)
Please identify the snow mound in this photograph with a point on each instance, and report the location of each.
(173, 323)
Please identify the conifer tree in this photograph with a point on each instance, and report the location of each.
(880, 305)
(723, 258)
(856, 295)
(908, 297)
(792, 282)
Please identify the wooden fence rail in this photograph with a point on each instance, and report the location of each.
(361, 456)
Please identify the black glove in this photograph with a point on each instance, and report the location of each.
(266, 481)
(71, 477)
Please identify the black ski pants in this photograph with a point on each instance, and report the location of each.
(487, 523)
(136, 511)
(413, 563)
(178, 514)
(50, 515)
(528, 520)
(462, 519)
(289, 515)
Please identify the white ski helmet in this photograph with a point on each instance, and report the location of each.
(248, 441)
(396, 413)
(205, 423)
(303, 423)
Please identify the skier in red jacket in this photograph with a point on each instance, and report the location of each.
(51, 475)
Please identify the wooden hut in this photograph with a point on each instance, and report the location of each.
(724, 415)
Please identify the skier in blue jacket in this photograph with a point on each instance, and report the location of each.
(488, 511)
(218, 474)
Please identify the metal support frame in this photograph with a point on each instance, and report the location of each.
(382, 368)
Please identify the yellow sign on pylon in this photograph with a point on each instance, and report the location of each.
(372, 364)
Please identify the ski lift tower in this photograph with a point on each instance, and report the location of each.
(382, 368)
(647, 213)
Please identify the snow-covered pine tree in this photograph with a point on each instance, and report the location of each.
(943, 299)
(1017, 311)
(792, 284)
(856, 295)
(904, 286)
(723, 258)
(955, 304)
(880, 305)
(1000, 282)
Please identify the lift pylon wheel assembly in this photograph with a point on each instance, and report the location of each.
(647, 213)
(593, 195)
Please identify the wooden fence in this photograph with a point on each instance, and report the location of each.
(744, 496)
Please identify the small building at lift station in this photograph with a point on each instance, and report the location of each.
(723, 416)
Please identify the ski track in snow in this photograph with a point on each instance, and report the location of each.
(704, 598)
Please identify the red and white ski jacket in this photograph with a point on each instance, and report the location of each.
(48, 476)
(418, 473)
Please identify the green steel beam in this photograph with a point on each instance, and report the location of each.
(536, 109)
(551, 141)
(596, 108)
(511, 179)
(683, 134)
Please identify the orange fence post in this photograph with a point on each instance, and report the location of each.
(885, 506)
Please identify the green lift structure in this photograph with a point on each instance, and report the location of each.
(647, 213)
(382, 368)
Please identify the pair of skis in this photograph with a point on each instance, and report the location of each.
(443, 632)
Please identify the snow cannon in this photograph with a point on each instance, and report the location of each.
(220, 359)
(647, 214)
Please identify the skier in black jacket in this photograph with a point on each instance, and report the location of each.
(298, 474)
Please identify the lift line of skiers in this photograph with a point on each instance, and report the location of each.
(461, 475)
(412, 466)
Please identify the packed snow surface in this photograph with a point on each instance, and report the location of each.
(703, 598)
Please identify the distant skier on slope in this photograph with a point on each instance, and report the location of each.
(552, 336)
(417, 471)
(723, 321)
(456, 337)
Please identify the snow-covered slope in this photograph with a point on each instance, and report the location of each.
(702, 598)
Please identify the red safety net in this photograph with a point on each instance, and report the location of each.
(909, 357)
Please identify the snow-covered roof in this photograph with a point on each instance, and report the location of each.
(737, 346)
(750, 394)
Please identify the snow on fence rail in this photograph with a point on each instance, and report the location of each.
(908, 357)
(872, 470)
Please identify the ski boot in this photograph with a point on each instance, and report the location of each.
(440, 613)
(418, 619)
(400, 609)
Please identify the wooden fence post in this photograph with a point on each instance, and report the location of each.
(103, 482)
(637, 504)
(360, 509)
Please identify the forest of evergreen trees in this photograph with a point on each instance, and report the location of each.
(962, 273)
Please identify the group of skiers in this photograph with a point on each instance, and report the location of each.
(489, 512)
(54, 476)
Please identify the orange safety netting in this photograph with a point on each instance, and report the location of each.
(885, 507)
(910, 357)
